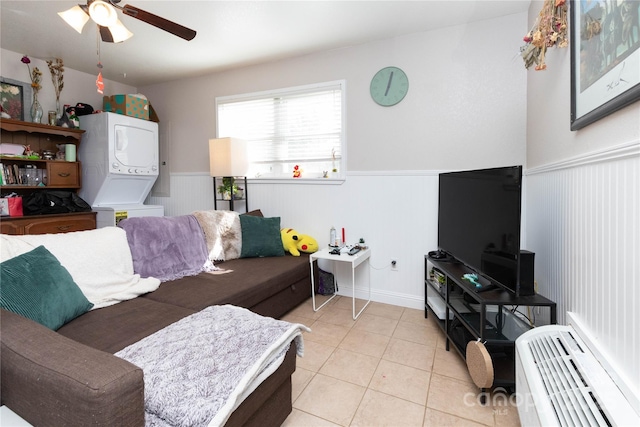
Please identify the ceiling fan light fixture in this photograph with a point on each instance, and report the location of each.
(103, 13)
(119, 32)
(76, 17)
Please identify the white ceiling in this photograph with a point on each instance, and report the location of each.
(229, 33)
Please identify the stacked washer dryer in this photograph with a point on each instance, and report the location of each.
(119, 156)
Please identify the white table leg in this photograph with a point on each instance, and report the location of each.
(313, 292)
(353, 294)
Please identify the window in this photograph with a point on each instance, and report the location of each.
(301, 126)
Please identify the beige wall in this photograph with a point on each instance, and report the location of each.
(549, 138)
(78, 86)
(465, 107)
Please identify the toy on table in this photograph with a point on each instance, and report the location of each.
(473, 278)
(294, 242)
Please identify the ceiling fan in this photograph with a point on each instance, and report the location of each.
(103, 13)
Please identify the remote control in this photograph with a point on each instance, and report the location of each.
(335, 251)
(354, 250)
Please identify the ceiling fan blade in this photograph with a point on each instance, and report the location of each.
(105, 34)
(156, 21)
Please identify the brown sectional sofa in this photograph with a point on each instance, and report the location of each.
(70, 376)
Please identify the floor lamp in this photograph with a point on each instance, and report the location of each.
(228, 160)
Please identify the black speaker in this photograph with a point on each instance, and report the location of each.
(526, 286)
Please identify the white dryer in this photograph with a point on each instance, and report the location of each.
(119, 156)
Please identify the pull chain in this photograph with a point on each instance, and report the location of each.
(99, 81)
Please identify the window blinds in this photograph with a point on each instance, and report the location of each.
(301, 127)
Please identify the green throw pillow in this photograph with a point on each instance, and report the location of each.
(260, 237)
(35, 285)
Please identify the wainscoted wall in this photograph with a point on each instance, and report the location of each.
(583, 223)
(395, 212)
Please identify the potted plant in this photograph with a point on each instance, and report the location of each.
(227, 188)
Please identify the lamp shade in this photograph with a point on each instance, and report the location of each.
(76, 17)
(119, 32)
(228, 157)
(103, 13)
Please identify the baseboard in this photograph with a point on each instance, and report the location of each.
(386, 297)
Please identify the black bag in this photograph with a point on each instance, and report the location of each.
(53, 202)
(326, 283)
(81, 109)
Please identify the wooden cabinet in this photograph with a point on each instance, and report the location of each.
(63, 175)
(26, 176)
(49, 224)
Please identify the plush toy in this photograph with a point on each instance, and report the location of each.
(294, 242)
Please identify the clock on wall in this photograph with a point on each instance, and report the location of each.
(389, 86)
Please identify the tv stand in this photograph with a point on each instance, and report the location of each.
(485, 313)
(485, 288)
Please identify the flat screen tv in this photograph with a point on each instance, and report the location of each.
(479, 218)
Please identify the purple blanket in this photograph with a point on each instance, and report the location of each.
(166, 248)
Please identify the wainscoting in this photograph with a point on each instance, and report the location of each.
(583, 223)
(395, 212)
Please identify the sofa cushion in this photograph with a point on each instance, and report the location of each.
(250, 281)
(98, 260)
(113, 328)
(35, 285)
(260, 237)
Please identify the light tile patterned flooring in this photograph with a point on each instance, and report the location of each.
(387, 368)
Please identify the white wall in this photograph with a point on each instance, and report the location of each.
(78, 86)
(583, 215)
(465, 109)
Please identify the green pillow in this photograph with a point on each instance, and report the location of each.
(35, 285)
(260, 237)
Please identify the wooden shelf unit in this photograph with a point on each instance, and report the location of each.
(55, 174)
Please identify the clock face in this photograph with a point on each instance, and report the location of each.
(389, 86)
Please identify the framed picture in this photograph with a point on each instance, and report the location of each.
(605, 58)
(15, 98)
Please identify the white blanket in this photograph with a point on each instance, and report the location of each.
(198, 370)
(98, 260)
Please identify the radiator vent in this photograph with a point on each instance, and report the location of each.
(563, 384)
(569, 392)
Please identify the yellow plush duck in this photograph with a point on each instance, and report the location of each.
(294, 242)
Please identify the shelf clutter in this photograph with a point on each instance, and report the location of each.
(31, 175)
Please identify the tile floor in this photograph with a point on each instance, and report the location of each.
(387, 368)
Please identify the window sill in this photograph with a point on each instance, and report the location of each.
(308, 181)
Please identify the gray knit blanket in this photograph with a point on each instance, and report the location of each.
(198, 370)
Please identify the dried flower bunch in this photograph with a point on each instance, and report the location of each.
(550, 30)
(56, 68)
(35, 75)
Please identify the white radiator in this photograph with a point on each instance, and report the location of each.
(559, 382)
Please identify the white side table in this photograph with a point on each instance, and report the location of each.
(355, 261)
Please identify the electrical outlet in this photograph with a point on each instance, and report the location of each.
(394, 264)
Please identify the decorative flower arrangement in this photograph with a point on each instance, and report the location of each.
(56, 68)
(35, 75)
(550, 30)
